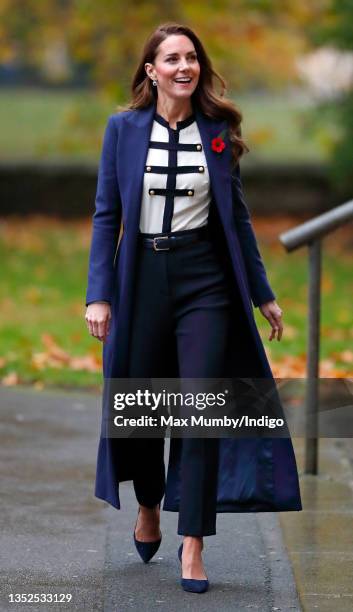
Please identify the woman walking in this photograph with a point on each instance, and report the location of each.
(173, 269)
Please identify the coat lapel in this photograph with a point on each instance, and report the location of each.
(133, 153)
(134, 138)
(218, 163)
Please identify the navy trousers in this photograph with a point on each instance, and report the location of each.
(181, 297)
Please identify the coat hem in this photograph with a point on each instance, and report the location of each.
(220, 508)
(238, 508)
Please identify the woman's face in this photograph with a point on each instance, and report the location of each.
(176, 58)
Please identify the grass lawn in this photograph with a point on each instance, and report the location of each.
(42, 302)
(274, 128)
(43, 335)
(47, 124)
(288, 275)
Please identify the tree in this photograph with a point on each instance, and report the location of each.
(252, 43)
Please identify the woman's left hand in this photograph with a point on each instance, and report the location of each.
(272, 312)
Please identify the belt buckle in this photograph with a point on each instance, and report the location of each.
(160, 238)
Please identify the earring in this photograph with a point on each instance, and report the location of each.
(154, 82)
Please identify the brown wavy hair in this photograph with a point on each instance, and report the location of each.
(204, 97)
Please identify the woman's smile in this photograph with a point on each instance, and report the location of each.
(184, 81)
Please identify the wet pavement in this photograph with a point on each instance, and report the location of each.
(57, 538)
(319, 539)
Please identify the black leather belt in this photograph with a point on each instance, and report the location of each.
(174, 240)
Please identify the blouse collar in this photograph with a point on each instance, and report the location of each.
(180, 124)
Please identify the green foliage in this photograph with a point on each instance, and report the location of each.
(335, 118)
(338, 129)
(336, 25)
(251, 43)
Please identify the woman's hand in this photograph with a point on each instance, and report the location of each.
(98, 317)
(272, 312)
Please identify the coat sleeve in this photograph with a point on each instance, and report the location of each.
(106, 221)
(260, 289)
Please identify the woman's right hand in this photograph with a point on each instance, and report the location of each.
(98, 316)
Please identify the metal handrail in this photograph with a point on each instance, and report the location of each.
(310, 234)
(317, 227)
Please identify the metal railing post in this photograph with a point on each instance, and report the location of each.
(313, 358)
(310, 233)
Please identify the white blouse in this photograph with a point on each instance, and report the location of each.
(176, 189)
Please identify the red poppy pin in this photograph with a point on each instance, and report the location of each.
(217, 143)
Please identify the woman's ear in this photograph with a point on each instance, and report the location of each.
(148, 69)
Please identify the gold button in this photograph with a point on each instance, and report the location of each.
(201, 168)
(151, 191)
(199, 147)
(190, 192)
(148, 168)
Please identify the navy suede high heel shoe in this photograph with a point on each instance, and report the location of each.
(146, 550)
(191, 584)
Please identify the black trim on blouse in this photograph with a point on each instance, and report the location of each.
(175, 146)
(180, 124)
(172, 169)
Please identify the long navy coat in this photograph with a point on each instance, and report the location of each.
(255, 474)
